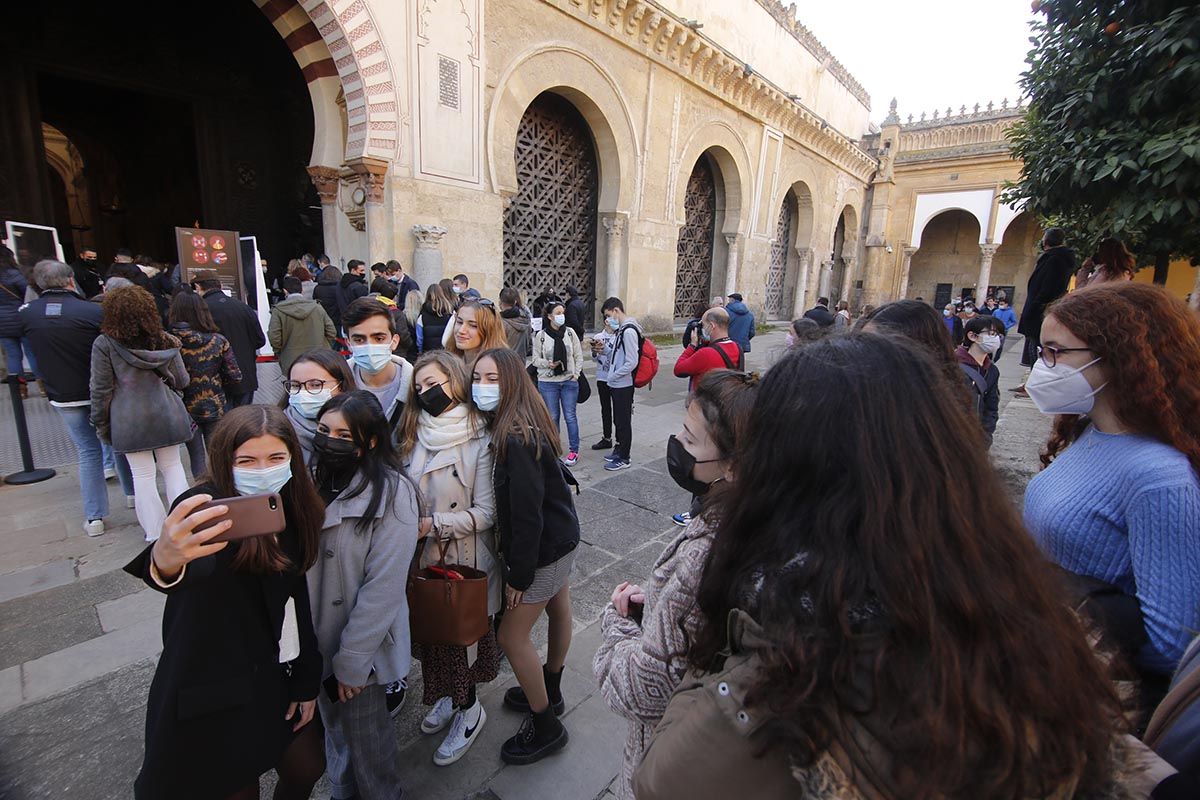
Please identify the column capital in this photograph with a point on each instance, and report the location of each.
(326, 179)
(988, 250)
(908, 250)
(732, 238)
(614, 226)
(805, 255)
(429, 237)
(371, 174)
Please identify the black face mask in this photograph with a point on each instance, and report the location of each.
(681, 464)
(434, 400)
(337, 455)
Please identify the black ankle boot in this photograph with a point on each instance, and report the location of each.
(515, 697)
(540, 735)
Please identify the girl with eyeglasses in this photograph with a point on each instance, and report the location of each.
(314, 378)
(446, 448)
(1118, 503)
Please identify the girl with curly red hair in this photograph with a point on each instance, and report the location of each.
(1118, 503)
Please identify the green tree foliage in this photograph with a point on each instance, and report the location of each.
(1111, 141)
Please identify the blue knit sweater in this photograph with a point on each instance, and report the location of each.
(1125, 509)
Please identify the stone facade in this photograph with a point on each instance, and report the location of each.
(418, 104)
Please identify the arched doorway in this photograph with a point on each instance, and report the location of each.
(550, 225)
(694, 253)
(1015, 258)
(948, 261)
(831, 285)
(169, 129)
(781, 250)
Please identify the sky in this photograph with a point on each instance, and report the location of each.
(926, 53)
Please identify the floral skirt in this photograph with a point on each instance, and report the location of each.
(445, 671)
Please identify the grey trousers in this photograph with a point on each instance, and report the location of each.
(361, 756)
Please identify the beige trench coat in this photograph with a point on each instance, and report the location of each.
(456, 486)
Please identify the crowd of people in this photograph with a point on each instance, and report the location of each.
(852, 607)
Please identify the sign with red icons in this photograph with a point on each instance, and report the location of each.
(211, 251)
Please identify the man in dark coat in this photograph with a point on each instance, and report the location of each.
(353, 284)
(1049, 281)
(403, 283)
(574, 312)
(87, 273)
(820, 313)
(239, 324)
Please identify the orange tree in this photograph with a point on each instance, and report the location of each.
(1110, 145)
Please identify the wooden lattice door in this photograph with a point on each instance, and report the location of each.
(777, 270)
(550, 226)
(693, 263)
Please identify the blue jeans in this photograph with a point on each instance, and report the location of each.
(117, 462)
(91, 460)
(12, 355)
(564, 394)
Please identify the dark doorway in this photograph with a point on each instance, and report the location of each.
(180, 113)
(694, 251)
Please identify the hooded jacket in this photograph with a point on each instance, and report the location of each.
(518, 330)
(298, 325)
(350, 288)
(136, 404)
(983, 382)
(741, 324)
(326, 293)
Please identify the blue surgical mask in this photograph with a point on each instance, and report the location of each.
(560, 320)
(486, 395)
(613, 323)
(307, 405)
(371, 358)
(261, 481)
(456, 289)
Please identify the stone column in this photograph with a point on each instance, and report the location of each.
(848, 277)
(826, 282)
(614, 230)
(986, 253)
(372, 175)
(731, 264)
(802, 269)
(902, 290)
(427, 257)
(327, 180)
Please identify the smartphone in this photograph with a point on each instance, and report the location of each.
(252, 515)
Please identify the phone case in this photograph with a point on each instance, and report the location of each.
(252, 515)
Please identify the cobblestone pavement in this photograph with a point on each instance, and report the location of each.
(79, 639)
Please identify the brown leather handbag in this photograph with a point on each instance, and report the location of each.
(446, 610)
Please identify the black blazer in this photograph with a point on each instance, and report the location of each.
(820, 315)
(534, 512)
(61, 327)
(239, 324)
(214, 719)
(1049, 281)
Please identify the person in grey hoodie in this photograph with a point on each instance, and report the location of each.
(741, 322)
(136, 380)
(357, 592)
(297, 325)
(622, 354)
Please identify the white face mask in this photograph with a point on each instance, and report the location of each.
(307, 404)
(371, 358)
(486, 395)
(261, 481)
(560, 320)
(1061, 389)
(790, 339)
(989, 343)
(947, 312)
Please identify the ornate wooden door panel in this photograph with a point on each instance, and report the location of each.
(693, 264)
(550, 226)
(777, 270)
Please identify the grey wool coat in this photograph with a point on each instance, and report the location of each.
(357, 587)
(136, 402)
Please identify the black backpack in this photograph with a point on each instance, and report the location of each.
(741, 362)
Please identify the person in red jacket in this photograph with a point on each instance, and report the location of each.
(710, 348)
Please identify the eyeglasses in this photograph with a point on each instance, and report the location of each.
(312, 387)
(1050, 353)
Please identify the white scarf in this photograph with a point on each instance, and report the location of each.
(451, 429)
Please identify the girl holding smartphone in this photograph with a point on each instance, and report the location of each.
(236, 686)
(538, 533)
(359, 606)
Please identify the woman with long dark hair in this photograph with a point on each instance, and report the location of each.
(1119, 499)
(359, 607)
(236, 686)
(539, 533)
(446, 448)
(210, 364)
(137, 375)
(648, 632)
(919, 323)
(876, 620)
(314, 377)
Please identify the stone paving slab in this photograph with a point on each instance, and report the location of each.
(36, 578)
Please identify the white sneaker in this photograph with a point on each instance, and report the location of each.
(94, 527)
(461, 737)
(129, 503)
(439, 716)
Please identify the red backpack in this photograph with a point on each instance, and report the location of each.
(647, 366)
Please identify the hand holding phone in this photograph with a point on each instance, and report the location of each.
(189, 532)
(249, 516)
